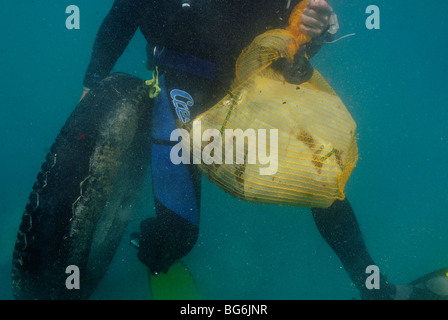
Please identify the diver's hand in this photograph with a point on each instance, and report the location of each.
(315, 18)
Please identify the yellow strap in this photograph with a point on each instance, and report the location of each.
(154, 84)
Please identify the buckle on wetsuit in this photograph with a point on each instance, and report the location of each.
(168, 58)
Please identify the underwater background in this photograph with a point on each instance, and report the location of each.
(393, 81)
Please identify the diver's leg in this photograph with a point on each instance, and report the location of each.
(174, 231)
(339, 227)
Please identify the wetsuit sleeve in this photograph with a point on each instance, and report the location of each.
(115, 33)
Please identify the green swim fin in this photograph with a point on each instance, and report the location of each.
(176, 284)
(433, 286)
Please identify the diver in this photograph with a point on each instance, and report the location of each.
(194, 45)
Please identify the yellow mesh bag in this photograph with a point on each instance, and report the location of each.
(306, 129)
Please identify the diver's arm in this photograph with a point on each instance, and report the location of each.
(115, 33)
(311, 48)
(315, 18)
(315, 23)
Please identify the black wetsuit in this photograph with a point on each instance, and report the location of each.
(214, 31)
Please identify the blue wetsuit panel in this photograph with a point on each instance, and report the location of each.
(163, 122)
(172, 184)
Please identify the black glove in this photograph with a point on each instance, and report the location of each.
(296, 72)
(165, 239)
